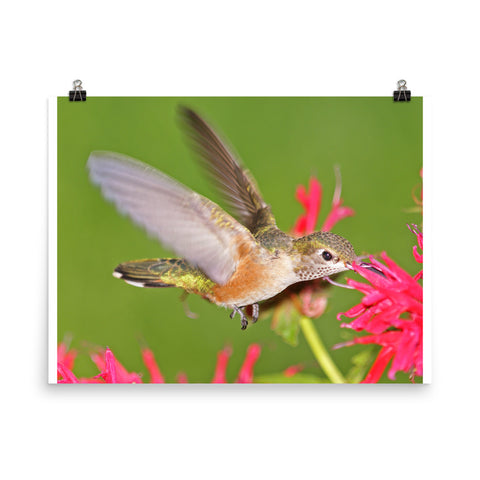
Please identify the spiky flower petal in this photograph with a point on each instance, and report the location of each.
(392, 311)
(112, 371)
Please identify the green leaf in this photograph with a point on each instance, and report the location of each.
(286, 322)
(281, 378)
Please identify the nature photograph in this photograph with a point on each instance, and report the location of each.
(239, 240)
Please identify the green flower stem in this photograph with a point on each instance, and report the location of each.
(320, 352)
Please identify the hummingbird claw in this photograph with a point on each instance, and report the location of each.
(243, 321)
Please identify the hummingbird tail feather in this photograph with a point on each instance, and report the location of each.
(163, 272)
(139, 273)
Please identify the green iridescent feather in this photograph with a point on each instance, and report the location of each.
(165, 272)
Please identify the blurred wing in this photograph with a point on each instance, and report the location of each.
(191, 225)
(234, 182)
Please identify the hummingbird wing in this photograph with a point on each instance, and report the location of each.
(191, 225)
(234, 182)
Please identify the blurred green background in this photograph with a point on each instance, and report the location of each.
(283, 141)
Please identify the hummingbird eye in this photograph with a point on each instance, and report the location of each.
(327, 256)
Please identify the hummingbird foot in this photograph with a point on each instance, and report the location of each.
(255, 312)
(186, 308)
(243, 318)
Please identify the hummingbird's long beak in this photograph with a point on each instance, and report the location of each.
(374, 269)
(365, 265)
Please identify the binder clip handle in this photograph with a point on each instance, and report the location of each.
(402, 94)
(78, 94)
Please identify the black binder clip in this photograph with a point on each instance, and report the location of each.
(77, 94)
(402, 94)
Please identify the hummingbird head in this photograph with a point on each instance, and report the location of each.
(321, 254)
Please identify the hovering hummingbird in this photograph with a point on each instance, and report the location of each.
(232, 262)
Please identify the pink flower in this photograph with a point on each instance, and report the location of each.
(112, 371)
(293, 370)
(418, 257)
(221, 368)
(246, 371)
(65, 375)
(311, 202)
(152, 367)
(312, 304)
(392, 311)
(337, 212)
(65, 357)
(312, 299)
(182, 378)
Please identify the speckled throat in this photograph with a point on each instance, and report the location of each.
(311, 272)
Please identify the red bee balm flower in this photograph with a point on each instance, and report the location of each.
(246, 371)
(392, 310)
(65, 358)
(112, 371)
(152, 367)
(311, 202)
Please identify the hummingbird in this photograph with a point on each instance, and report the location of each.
(234, 261)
